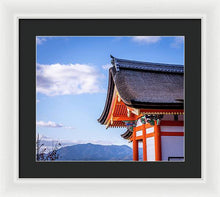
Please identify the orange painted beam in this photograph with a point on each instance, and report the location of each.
(134, 129)
(135, 147)
(150, 135)
(120, 103)
(130, 108)
(146, 126)
(141, 137)
(167, 133)
(147, 136)
(135, 150)
(157, 138)
(123, 118)
(114, 101)
(161, 133)
(137, 128)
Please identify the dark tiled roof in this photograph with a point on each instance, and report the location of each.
(146, 66)
(137, 87)
(146, 85)
(127, 134)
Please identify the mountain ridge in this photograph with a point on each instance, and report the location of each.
(95, 152)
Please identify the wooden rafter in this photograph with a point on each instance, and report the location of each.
(119, 112)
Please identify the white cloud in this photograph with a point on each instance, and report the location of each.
(43, 137)
(52, 125)
(70, 79)
(107, 66)
(68, 127)
(40, 40)
(48, 124)
(146, 39)
(178, 41)
(37, 101)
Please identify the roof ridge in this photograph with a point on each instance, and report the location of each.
(143, 62)
(148, 66)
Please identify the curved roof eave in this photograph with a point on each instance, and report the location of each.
(111, 87)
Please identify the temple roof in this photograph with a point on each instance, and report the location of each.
(145, 85)
(146, 66)
(127, 134)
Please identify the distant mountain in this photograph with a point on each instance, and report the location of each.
(94, 152)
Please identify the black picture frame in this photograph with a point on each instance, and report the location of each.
(29, 28)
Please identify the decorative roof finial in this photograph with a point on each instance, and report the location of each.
(114, 63)
(112, 56)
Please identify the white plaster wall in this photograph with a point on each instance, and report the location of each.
(140, 150)
(172, 129)
(139, 133)
(150, 130)
(172, 146)
(150, 149)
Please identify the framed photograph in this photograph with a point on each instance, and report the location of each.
(42, 116)
(131, 76)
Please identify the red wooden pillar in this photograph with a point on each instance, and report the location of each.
(157, 137)
(144, 143)
(135, 146)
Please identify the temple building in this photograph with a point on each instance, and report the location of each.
(147, 99)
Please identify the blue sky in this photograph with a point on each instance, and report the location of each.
(72, 79)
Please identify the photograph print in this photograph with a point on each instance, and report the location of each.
(110, 98)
